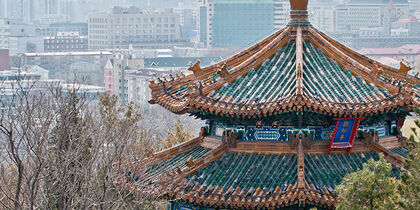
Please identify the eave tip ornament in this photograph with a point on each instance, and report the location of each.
(299, 4)
(404, 69)
(195, 68)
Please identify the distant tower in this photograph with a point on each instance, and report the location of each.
(3, 8)
(68, 9)
(281, 13)
(389, 17)
(204, 9)
(238, 23)
(51, 7)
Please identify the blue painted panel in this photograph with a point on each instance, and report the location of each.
(266, 133)
(270, 133)
(344, 130)
(183, 206)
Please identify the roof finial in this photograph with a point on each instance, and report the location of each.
(298, 13)
(299, 4)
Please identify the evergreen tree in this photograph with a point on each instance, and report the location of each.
(176, 136)
(410, 186)
(68, 153)
(370, 188)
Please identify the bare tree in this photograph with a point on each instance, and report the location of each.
(61, 152)
(26, 119)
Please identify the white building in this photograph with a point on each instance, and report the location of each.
(361, 14)
(3, 8)
(35, 69)
(19, 10)
(15, 35)
(128, 27)
(415, 7)
(4, 34)
(138, 84)
(321, 15)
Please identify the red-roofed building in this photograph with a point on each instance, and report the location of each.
(411, 24)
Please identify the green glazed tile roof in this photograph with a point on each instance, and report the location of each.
(295, 69)
(329, 169)
(274, 78)
(403, 151)
(248, 171)
(176, 161)
(343, 87)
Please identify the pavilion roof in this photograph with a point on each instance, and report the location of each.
(296, 68)
(223, 178)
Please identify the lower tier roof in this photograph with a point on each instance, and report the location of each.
(205, 172)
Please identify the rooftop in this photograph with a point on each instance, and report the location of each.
(67, 53)
(403, 50)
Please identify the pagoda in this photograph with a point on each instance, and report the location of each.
(286, 120)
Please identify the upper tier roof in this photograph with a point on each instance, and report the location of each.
(297, 68)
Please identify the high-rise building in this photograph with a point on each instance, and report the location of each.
(69, 9)
(203, 22)
(322, 14)
(3, 8)
(281, 13)
(19, 9)
(51, 7)
(188, 20)
(133, 27)
(4, 34)
(235, 22)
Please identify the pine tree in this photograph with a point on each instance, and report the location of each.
(370, 188)
(68, 152)
(177, 136)
(410, 186)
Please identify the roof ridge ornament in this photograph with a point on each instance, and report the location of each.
(223, 72)
(298, 4)
(376, 71)
(195, 68)
(299, 13)
(299, 62)
(404, 69)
